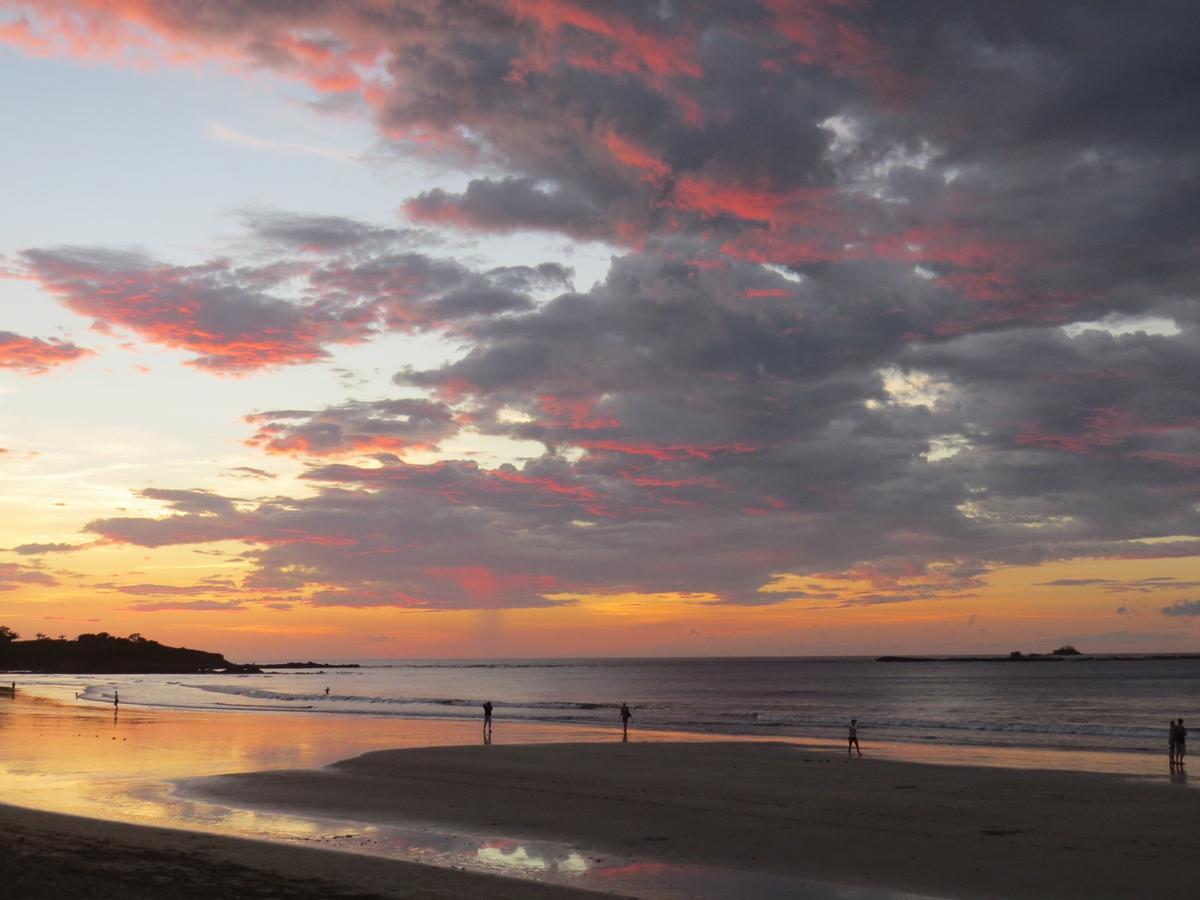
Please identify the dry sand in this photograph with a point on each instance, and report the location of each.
(52, 856)
(941, 830)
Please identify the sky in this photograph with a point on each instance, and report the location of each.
(537, 328)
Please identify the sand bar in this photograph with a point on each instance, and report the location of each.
(936, 830)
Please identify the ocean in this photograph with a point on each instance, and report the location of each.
(1107, 706)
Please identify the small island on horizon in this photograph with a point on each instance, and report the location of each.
(1064, 652)
(103, 653)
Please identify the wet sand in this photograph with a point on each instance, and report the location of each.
(937, 830)
(47, 855)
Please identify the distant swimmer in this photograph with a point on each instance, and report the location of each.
(326, 692)
(625, 716)
(852, 743)
(487, 716)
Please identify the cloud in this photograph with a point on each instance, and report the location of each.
(1125, 586)
(42, 549)
(510, 204)
(249, 472)
(221, 315)
(388, 426)
(698, 442)
(1186, 608)
(351, 283)
(157, 590)
(471, 576)
(219, 132)
(34, 356)
(324, 234)
(193, 501)
(767, 129)
(14, 577)
(833, 353)
(187, 606)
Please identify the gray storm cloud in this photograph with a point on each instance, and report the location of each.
(901, 293)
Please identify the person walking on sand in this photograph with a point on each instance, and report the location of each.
(1180, 742)
(487, 717)
(625, 716)
(852, 742)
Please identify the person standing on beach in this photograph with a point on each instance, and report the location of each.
(1180, 742)
(1172, 742)
(625, 715)
(116, 699)
(852, 742)
(487, 717)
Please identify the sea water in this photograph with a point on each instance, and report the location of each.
(1107, 706)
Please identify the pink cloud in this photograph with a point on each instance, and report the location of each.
(34, 356)
(606, 42)
(628, 153)
(574, 414)
(13, 576)
(223, 317)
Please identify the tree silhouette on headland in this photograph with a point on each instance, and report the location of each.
(102, 652)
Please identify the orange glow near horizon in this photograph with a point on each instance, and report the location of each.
(1013, 609)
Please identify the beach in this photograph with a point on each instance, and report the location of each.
(936, 830)
(354, 805)
(48, 855)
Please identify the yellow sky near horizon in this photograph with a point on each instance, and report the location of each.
(1013, 610)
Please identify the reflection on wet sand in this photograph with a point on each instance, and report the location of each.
(544, 861)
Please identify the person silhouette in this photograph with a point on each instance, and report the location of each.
(116, 699)
(1180, 742)
(487, 718)
(1172, 743)
(326, 692)
(625, 716)
(852, 740)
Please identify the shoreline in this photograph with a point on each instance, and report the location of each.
(935, 748)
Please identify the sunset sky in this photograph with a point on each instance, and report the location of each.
(423, 328)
